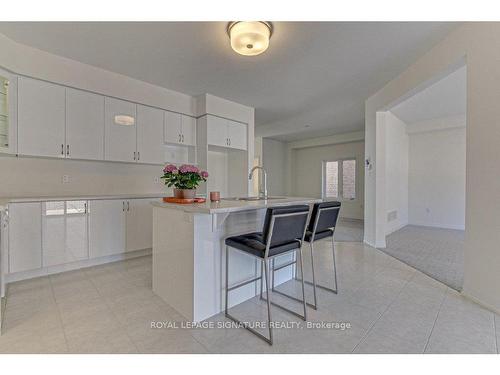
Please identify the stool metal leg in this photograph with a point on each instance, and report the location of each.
(294, 277)
(268, 297)
(261, 279)
(245, 324)
(313, 276)
(314, 284)
(303, 287)
(334, 267)
(227, 279)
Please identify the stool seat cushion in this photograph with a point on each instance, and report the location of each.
(318, 236)
(253, 243)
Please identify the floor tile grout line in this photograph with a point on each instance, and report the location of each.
(59, 313)
(381, 314)
(122, 326)
(445, 293)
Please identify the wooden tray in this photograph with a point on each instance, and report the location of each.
(183, 201)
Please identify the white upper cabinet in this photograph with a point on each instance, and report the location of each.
(120, 130)
(180, 129)
(8, 112)
(84, 125)
(226, 133)
(150, 135)
(188, 130)
(217, 131)
(237, 135)
(41, 128)
(173, 127)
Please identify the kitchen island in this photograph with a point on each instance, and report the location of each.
(188, 253)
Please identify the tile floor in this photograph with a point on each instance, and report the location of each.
(391, 308)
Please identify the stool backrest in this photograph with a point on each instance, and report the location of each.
(285, 224)
(324, 216)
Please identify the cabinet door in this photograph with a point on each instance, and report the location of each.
(120, 130)
(25, 236)
(237, 135)
(106, 227)
(40, 118)
(8, 112)
(77, 239)
(188, 130)
(217, 131)
(84, 125)
(173, 132)
(64, 232)
(150, 135)
(139, 232)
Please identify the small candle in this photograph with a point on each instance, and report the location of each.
(215, 196)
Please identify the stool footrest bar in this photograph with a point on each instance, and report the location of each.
(244, 283)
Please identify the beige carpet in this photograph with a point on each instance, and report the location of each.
(436, 252)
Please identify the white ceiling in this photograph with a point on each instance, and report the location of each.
(314, 73)
(445, 98)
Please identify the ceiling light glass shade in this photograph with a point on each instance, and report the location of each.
(249, 38)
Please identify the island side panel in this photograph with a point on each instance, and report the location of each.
(173, 238)
(209, 262)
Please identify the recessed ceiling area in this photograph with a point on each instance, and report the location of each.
(445, 98)
(314, 73)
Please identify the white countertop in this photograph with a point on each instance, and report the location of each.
(4, 201)
(226, 206)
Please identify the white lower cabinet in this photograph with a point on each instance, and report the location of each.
(55, 233)
(119, 226)
(107, 227)
(139, 219)
(64, 232)
(25, 236)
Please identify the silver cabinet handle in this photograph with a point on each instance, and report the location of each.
(128, 206)
(134, 155)
(123, 206)
(180, 138)
(62, 149)
(67, 149)
(138, 155)
(85, 207)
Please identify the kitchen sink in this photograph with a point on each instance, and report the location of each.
(251, 198)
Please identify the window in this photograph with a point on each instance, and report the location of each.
(339, 179)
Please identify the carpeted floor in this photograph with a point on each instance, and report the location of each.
(349, 230)
(436, 252)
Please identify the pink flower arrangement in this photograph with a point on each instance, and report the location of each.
(187, 176)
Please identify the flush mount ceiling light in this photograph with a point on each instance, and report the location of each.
(249, 38)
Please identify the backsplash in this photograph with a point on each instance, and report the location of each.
(44, 177)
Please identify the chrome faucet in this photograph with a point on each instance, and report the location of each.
(264, 173)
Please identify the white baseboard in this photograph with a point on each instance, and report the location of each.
(438, 225)
(18, 276)
(481, 303)
(396, 228)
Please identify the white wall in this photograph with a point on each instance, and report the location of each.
(306, 170)
(275, 160)
(437, 178)
(396, 172)
(475, 43)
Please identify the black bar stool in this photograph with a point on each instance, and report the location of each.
(322, 225)
(283, 232)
